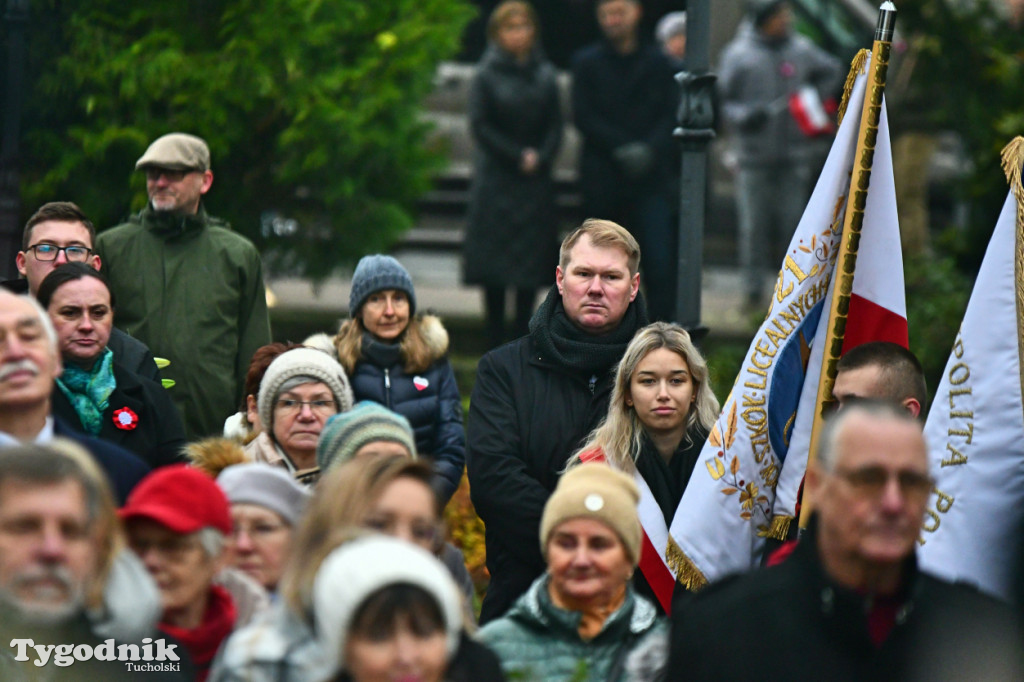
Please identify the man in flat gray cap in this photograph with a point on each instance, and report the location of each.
(188, 286)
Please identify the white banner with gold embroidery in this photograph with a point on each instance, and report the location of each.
(975, 433)
(759, 442)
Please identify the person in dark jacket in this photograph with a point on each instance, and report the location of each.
(661, 411)
(29, 364)
(95, 393)
(624, 101)
(399, 359)
(851, 603)
(537, 398)
(59, 233)
(385, 609)
(767, 73)
(516, 121)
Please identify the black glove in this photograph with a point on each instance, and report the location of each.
(755, 119)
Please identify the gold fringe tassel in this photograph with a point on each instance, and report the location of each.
(856, 68)
(1012, 158)
(779, 529)
(688, 575)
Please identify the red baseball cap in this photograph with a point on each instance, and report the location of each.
(181, 498)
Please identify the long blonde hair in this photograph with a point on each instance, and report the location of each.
(417, 354)
(620, 435)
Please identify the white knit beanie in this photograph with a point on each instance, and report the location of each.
(357, 569)
(302, 362)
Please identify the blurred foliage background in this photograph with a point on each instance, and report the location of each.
(310, 109)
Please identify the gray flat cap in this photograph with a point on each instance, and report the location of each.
(176, 151)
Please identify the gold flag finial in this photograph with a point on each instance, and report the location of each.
(856, 69)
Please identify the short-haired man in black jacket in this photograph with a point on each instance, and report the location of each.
(536, 398)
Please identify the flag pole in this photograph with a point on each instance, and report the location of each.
(856, 200)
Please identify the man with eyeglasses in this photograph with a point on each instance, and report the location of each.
(187, 285)
(59, 233)
(851, 603)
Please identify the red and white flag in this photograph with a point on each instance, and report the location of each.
(744, 487)
(811, 115)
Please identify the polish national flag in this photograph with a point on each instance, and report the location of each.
(810, 112)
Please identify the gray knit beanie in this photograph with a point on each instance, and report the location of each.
(265, 486)
(302, 362)
(367, 422)
(376, 273)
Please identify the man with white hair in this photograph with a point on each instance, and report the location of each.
(29, 364)
(850, 603)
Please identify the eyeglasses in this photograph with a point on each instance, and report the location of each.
(871, 481)
(48, 252)
(288, 406)
(153, 174)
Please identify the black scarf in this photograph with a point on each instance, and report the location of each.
(379, 353)
(668, 480)
(562, 342)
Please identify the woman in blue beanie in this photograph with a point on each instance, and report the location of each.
(399, 359)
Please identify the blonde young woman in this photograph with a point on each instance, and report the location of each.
(660, 413)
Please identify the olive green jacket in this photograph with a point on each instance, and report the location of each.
(192, 290)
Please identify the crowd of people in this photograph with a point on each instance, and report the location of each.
(182, 498)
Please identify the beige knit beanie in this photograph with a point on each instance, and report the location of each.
(302, 362)
(595, 491)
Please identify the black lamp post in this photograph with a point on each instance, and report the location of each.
(696, 118)
(16, 19)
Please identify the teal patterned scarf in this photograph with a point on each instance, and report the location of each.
(89, 390)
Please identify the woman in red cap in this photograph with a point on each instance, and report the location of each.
(178, 521)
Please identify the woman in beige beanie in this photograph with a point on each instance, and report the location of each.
(583, 614)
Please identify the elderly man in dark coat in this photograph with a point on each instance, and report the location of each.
(851, 603)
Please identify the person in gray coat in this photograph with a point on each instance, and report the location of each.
(775, 87)
(516, 123)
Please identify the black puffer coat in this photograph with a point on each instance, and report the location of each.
(429, 400)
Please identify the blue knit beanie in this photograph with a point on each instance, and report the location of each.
(376, 273)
